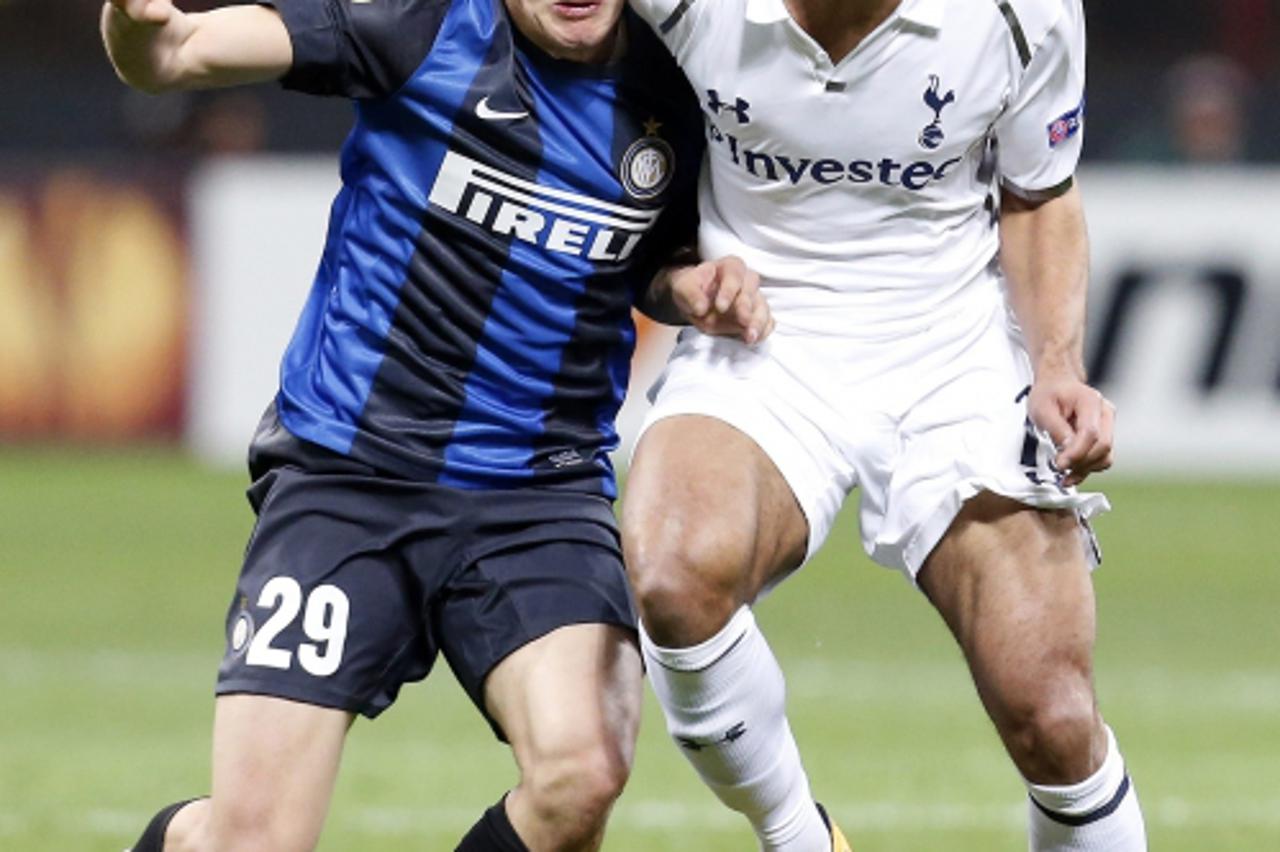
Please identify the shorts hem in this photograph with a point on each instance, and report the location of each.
(332, 701)
(911, 558)
(528, 637)
(818, 522)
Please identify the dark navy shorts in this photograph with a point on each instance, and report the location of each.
(353, 583)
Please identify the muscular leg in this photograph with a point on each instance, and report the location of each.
(274, 765)
(1013, 585)
(708, 523)
(569, 703)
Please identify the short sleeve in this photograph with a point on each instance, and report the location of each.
(358, 48)
(1041, 132)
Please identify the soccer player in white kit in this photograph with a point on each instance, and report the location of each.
(900, 174)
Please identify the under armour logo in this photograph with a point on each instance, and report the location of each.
(734, 734)
(738, 108)
(931, 137)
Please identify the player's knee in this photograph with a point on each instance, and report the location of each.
(687, 583)
(1053, 736)
(573, 793)
(253, 824)
(682, 605)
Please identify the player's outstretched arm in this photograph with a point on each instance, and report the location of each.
(720, 297)
(1045, 254)
(156, 47)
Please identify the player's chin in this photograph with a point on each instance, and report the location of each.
(583, 48)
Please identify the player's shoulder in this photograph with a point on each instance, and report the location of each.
(680, 21)
(1037, 18)
(656, 12)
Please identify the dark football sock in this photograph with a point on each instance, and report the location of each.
(493, 833)
(152, 839)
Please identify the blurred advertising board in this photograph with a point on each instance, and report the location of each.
(93, 302)
(258, 227)
(1184, 323)
(1184, 327)
(159, 304)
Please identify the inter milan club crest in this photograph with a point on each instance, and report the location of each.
(241, 632)
(648, 164)
(931, 137)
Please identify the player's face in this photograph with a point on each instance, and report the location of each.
(581, 30)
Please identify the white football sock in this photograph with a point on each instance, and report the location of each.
(1099, 814)
(724, 700)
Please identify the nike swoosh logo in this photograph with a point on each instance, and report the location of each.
(488, 113)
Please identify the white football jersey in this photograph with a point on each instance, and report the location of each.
(863, 191)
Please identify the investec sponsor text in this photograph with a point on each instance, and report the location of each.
(828, 171)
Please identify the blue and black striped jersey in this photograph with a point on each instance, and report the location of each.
(501, 211)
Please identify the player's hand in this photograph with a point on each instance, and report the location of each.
(154, 12)
(722, 297)
(1081, 422)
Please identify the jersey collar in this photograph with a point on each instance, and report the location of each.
(926, 13)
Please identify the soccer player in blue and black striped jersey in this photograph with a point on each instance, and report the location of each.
(433, 475)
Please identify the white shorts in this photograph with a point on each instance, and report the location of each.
(919, 424)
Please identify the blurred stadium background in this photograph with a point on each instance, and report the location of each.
(154, 251)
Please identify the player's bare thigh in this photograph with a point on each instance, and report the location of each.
(708, 522)
(274, 766)
(1013, 584)
(569, 704)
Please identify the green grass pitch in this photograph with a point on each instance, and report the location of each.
(115, 570)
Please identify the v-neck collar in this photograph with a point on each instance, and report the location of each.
(924, 14)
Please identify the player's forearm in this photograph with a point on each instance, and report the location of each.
(224, 47)
(1045, 255)
(658, 302)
